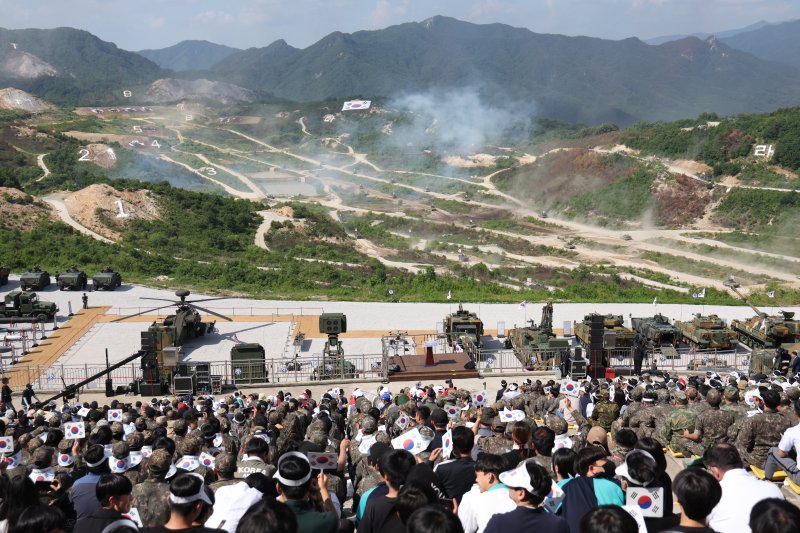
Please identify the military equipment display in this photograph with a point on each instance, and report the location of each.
(462, 327)
(706, 333)
(763, 330)
(4, 272)
(177, 328)
(536, 346)
(72, 279)
(656, 331)
(248, 363)
(35, 279)
(616, 335)
(334, 365)
(19, 304)
(107, 279)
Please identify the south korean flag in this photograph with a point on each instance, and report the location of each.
(649, 501)
(479, 398)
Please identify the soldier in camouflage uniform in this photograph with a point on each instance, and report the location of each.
(761, 432)
(605, 411)
(191, 448)
(179, 428)
(731, 404)
(150, 496)
(662, 410)
(225, 465)
(498, 443)
(710, 428)
(682, 419)
(636, 404)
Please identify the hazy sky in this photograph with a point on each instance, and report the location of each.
(138, 24)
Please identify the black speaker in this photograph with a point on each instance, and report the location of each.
(470, 366)
(150, 389)
(148, 340)
(109, 387)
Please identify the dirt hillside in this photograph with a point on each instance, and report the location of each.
(11, 98)
(22, 211)
(96, 208)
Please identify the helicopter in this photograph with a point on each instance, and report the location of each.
(178, 328)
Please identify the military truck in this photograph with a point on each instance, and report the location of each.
(460, 325)
(537, 346)
(615, 334)
(4, 272)
(706, 333)
(106, 279)
(19, 304)
(35, 279)
(72, 279)
(248, 363)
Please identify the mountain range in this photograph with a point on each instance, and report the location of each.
(572, 78)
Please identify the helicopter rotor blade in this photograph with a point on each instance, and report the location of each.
(206, 300)
(203, 309)
(176, 302)
(126, 317)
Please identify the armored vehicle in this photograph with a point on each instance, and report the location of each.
(461, 325)
(615, 334)
(4, 272)
(762, 330)
(656, 331)
(73, 279)
(334, 365)
(27, 304)
(537, 346)
(107, 279)
(35, 279)
(706, 333)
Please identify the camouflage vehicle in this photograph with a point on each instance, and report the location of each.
(35, 279)
(762, 361)
(4, 272)
(107, 279)
(248, 363)
(537, 346)
(72, 279)
(704, 363)
(616, 335)
(334, 365)
(461, 325)
(767, 331)
(706, 333)
(762, 330)
(27, 304)
(656, 330)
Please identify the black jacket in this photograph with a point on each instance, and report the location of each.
(98, 521)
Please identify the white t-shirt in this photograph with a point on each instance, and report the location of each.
(477, 508)
(790, 439)
(740, 492)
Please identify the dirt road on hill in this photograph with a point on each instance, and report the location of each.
(57, 201)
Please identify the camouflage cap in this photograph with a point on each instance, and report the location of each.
(793, 393)
(159, 462)
(318, 437)
(681, 397)
(226, 463)
(274, 418)
(180, 426)
(369, 425)
(663, 395)
(191, 446)
(498, 424)
(557, 424)
(117, 430)
(603, 394)
(731, 394)
(135, 440)
(637, 394)
(65, 445)
(120, 450)
(42, 457)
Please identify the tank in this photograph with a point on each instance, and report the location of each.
(767, 331)
(537, 346)
(706, 333)
(107, 279)
(35, 279)
(656, 330)
(72, 279)
(613, 326)
(463, 324)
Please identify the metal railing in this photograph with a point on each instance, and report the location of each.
(231, 373)
(228, 311)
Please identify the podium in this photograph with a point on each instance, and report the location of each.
(429, 356)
